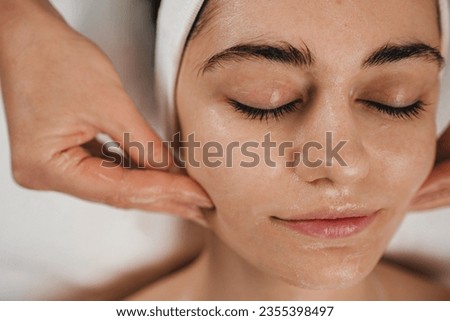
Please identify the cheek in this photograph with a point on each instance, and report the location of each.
(235, 190)
(220, 172)
(402, 158)
(232, 187)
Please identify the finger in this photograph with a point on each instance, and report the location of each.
(435, 192)
(138, 140)
(432, 200)
(438, 179)
(77, 173)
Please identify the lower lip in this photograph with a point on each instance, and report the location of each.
(330, 228)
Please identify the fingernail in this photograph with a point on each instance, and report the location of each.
(204, 203)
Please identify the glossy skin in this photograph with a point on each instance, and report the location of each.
(388, 158)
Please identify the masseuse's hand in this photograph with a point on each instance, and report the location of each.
(60, 90)
(435, 192)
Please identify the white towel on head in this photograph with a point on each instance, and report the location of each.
(175, 20)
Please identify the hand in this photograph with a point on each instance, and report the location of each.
(60, 90)
(435, 192)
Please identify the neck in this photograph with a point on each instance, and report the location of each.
(224, 275)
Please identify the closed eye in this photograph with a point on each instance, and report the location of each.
(265, 113)
(403, 112)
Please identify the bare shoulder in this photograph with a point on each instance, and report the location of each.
(402, 284)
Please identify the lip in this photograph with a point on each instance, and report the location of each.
(329, 225)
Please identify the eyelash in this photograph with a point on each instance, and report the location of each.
(265, 114)
(406, 112)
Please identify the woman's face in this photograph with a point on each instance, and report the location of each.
(350, 88)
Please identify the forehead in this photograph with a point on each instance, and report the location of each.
(355, 24)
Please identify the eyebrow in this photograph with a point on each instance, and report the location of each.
(390, 53)
(285, 53)
(281, 52)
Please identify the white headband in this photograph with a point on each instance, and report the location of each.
(175, 20)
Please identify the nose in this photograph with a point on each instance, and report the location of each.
(330, 144)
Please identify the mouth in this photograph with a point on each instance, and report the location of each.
(329, 225)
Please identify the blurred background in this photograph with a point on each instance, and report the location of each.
(56, 247)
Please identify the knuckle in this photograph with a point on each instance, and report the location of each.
(27, 175)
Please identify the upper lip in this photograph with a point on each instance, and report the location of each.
(327, 214)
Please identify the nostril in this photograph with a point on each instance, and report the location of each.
(342, 162)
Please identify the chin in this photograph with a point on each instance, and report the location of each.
(331, 277)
